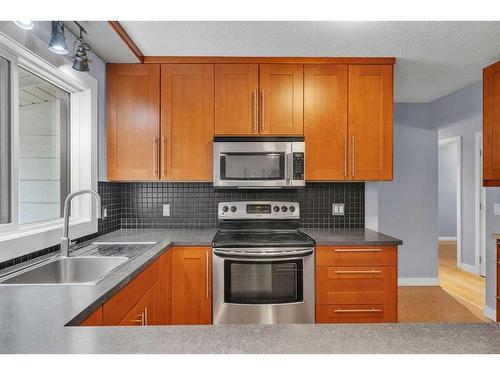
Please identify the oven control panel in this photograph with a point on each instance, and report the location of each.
(258, 210)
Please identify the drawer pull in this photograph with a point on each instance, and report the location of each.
(357, 250)
(140, 320)
(370, 271)
(357, 310)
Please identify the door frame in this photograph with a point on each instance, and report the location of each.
(457, 141)
(479, 207)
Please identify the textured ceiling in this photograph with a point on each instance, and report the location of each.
(433, 58)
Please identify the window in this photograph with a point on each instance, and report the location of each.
(43, 148)
(45, 107)
(5, 139)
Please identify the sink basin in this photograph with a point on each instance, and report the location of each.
(72, 270)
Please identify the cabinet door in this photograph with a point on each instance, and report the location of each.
(191, 285)
(146, 311)
(94, 319)
(281, 99)
(491, 124)
(370, 122)
(165, 288)
(236, 99)
(133, 121)
(187, 113)
(325, 122)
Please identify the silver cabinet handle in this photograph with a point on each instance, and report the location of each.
(145, 316)
(254, 113)
(353, 156)
(357, 250)
(358, 272)
(206, 275)
(164, 147)
(140, 320)
(357, 310)
(345, 156)
(262, 111)
(155, 156)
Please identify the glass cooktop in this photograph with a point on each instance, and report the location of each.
(262, 239)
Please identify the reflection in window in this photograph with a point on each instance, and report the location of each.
(43, 148)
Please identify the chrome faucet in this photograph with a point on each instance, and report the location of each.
(65, 242)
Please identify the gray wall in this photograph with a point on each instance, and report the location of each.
(407, 207)
(447, 171)
(466, 129)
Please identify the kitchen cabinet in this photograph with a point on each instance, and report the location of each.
(236, 99)
(491, 125)
(281, 99)
(191, 285)
(187, 121)
(133, 121)
(370, 122)
(348, 122)
(356, 284)
(94, 319)
(146, 312)
(325, 121)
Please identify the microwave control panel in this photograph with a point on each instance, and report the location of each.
(298, 165)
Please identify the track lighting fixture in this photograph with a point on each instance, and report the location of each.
(81, 48)
(57, 42)
(26, 25)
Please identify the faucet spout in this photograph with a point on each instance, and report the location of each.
(65, 241)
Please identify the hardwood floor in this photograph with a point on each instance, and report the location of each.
(459, 299)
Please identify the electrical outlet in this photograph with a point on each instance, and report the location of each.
(104, 213)
(338, 209)
(166, 210)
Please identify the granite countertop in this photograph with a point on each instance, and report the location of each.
(356, 237)
(33, 318)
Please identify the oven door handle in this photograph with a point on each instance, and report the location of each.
(263, 255)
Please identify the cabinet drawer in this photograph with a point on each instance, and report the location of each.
(356, 256)
(356, 285)
(122, 303)
(356, 314)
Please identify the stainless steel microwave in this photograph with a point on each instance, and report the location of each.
(259, 162)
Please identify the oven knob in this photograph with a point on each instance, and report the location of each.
(225, 208)
(284, 209)
(276, 208)
(292, 208)
(233, 208)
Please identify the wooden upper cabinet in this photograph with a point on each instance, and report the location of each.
(491, 125)
(325, 122)
(133, 121)
(236, 99)
(281, 99)
(370, 122)
(191, 285)
(187, 121)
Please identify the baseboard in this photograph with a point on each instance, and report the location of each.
(447, 238)
(490, 313)
(418, 281)
(468, 268)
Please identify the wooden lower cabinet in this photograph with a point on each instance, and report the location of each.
(356, 313)
(146, 312)
(191, 285)
(94, 319)
(356, 284)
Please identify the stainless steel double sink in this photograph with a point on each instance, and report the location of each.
(77, 270)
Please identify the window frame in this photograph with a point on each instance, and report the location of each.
(19, 239)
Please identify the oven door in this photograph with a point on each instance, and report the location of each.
(252, 164)
(263, 288)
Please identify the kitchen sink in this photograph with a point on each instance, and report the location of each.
(79, 270)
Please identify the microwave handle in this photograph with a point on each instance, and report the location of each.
(289, 167)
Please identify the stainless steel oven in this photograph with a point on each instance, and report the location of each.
(263, 265)
(263, 286)
(259, 162)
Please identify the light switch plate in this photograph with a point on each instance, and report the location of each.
(338, 209)
(166, 210)
(496, 208)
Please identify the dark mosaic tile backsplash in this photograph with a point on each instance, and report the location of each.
(194, 205)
